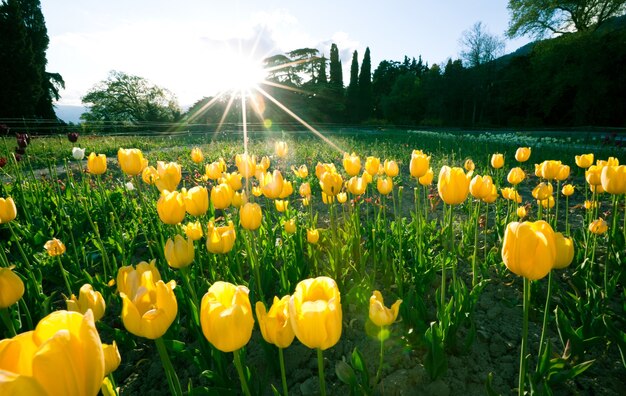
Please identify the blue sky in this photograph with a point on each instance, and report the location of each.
(181, 45)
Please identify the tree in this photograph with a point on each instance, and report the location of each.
(365, 87)
(321, 74)
(537, 18)
(352, 92)
(129, 99)
(479, 46)
(336, 73)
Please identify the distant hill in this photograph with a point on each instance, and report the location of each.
(69, 113)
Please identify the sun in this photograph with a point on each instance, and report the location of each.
(240, 74)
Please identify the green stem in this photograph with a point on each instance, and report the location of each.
(283, 377)
(64, 274)
(380, 362)
(170, 373)
(567, 215)
(443, 275)
(6, 318)
(320, 367)
(477, 216)
(239, 367)
(545, 318)
(522, 360)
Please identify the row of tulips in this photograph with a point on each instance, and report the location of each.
(149, 303)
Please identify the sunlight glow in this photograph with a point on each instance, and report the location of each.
(243, 73)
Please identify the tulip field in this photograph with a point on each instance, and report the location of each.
(365, 262)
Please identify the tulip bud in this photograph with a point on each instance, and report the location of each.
(213, 170)
(528, 249)
(564, 251)
(384, 185)
(11, 287)
(521, 212)
(88, 298)
(275, 326)
(281, 149)
(613, 179)
(542, 191)
(272, 184)
(131, 161)
(428, 177)
(522, 154)
(315, 312)
(301, 172)
(287, 189)
(193, 231)
(312, 235)
(352, 164)
(169, 176)
(196, 155)
(197, 200)
(469, 165)
(420, 163)
(567, 190)
(598, 227)
(331, 183)
(497, 161)
(391, 168)
(584, 160)
(381, 315)
(179, 252)
(453, 185)
(563, 173)
(8, 211)
(239, 199)
(226, 316)
(221, 196)
(290, 226)
(220, 240)
(171, 207)
(305, 190)
(112, 358)
(250, 216)
(356, 185)
(149, 175)
(371, 165)
(516, 176)
(78, 153)
(550, 169)
(480, 186)
(342, 197)
(281, 205)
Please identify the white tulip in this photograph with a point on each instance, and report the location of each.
(78, 153)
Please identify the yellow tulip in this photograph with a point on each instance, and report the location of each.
(233, 180)
(179, 252)
(584, 160)
(521, 212)
(372, 164)
(391, 168)
(96, 163)
(596, 188)
(171, 207)
(567, 190)
(493, 195)
(220, 240)
(290, 226)
(250, 216)
(342, 197)
(246, 165)
(213, 170)
(281, 149)
(381, 315)
(302, 171)
(256, 191)
(149, 305)
(193, 230)
(516, 176)
(331, 183)
(480, 186)
(62, 356)
(352, 164)
(226, 316)
(306, 201)
(384, 185)
(281, 205)
(88, 298)
(131, 161)
(563, 173)
(112, 358)
(528, 249)
(564, 250)
(196, 201)
(304, 190)
(327, 199)
(367, 178)
(264, 164)
(522, 154)
(11, 288)
(312, 235)
(239, 199)
(321, 168)
(357, 185)
(613, 179)
(590, 204)
(428, 177)
(54, 247)
(275, 325)
(287, 189)
(511, 194)
(315, 312)
(420, 163)
(169, 177)
(469, 165)
(149, 175)
(8, 211)
(612, 161)
(221, 196)
(497, 161)
(453, 185)
(542, 191)
(550, 169)
(598, 227)
(196, 155)
(272, 184)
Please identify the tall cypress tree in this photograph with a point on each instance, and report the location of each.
(365, 87)
(19, 89)
(352, 92)
(322, 79)
(336, 74)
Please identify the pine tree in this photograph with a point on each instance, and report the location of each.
(365, 87)
(352, 92)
